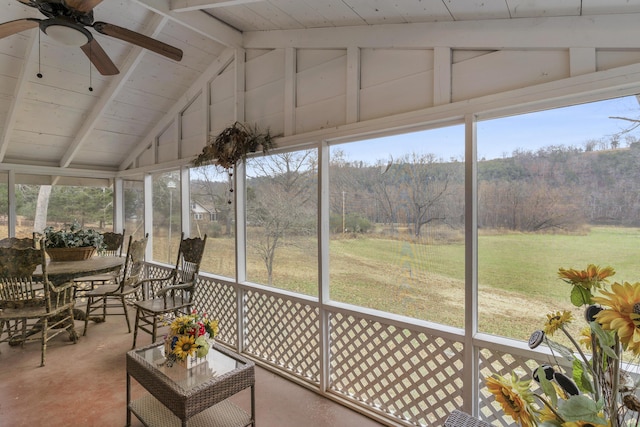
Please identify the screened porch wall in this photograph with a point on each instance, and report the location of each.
(398, 371)
(338, 89)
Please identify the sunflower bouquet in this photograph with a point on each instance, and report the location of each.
(597, 391)
(189, 337)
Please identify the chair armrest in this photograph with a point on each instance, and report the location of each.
(160, 279)
(62, 294)
(61, 288)
(177, 287)
(145, 283)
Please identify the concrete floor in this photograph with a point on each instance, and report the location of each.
(85, 385)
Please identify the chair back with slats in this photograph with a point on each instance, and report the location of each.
(189, 259)
(113, 244)
(134, 265)
(17, 242)
(18, 286)
(27, 299)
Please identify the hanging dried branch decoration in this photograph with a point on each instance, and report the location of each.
(233, 144)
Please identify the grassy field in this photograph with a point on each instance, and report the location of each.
(517, 273)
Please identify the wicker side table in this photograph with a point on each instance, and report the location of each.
(190, 397)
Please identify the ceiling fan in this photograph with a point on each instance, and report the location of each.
(67, 22)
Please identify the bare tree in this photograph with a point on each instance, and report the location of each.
(384, 185)
(425, 187)
(282, 198)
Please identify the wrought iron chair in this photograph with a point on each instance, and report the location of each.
(31, 307)
(170, 295)
(461, 419)
(126, 285)
(113, 245)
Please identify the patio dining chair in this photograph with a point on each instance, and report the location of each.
(20, 243)
(31, 307)
(113, 245)
(171, 295)
(114, 296)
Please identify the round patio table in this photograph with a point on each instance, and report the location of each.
(60, 272)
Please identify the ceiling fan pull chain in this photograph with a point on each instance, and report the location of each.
(39, 75)
(90, 87)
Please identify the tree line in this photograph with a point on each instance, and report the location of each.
(556, 188)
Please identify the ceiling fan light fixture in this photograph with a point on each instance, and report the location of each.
(66, 33)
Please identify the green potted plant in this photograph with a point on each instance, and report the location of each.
(72, 243)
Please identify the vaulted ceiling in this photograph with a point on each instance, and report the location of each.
(74, 117)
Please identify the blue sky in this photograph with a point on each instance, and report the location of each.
(569, 126)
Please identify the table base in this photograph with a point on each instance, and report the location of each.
(224, 414)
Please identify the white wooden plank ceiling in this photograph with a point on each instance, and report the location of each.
(57, 121)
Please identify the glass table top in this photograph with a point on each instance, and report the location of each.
(216, 364)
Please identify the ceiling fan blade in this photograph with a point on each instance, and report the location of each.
(83, 6)
(99, 58)
(13, 27)
(139, 40)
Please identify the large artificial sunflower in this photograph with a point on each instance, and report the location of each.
(186, 346)
(556, 321)
(622, 314)
(179, 324)
(547, 415)
(585, 338)
(588, 278)
(515, 398)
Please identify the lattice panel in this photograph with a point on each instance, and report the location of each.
(214, 298)
(405, 374)
(283, 333)
(218, 300)
(493, 362)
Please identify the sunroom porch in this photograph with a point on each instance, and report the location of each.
(358, 111)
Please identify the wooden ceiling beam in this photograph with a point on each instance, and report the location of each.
(28, 69)
(189, 5)
(115, 86)
(197, 21)
(615, 31)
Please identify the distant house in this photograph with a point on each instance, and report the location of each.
(201, 211)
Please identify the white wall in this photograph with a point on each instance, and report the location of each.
(309, 85)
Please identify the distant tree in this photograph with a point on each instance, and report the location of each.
(282, 199)
(425, 187)
(590, 145)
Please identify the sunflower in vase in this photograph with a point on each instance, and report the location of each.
(597, 390)
(190, 337)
